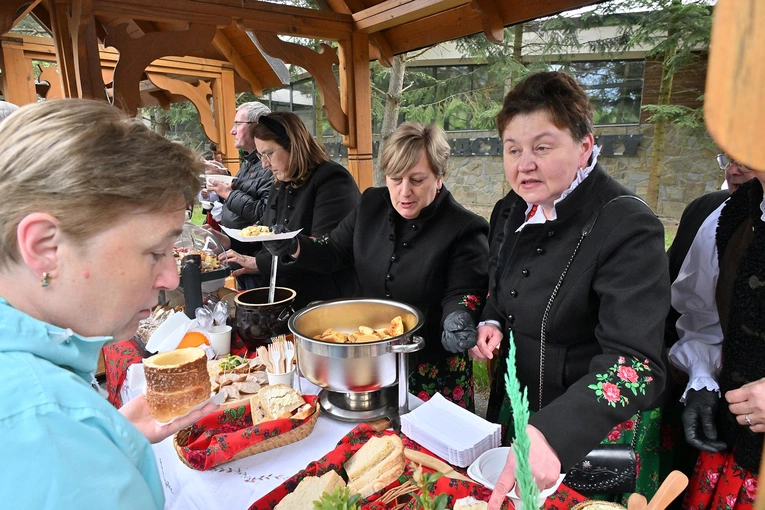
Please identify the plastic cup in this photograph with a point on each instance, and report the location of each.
(286, 379)
(220, 339)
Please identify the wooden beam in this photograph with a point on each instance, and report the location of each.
(19, 86)
(82, 31)
(393, 13)
(222, 44)
(318, 64)
(491, 19)
(282, 19)
(13, 11)
(137, 54)
(55, 88)
(198, 95)
(59, 20)
(355, 85)
(379, 45)
(224, 109)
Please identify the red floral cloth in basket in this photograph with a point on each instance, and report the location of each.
(354, 440)
(219, 436)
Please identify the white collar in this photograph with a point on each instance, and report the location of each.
(581, 175)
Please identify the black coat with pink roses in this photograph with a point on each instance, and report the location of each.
(437, 262)
(604, 336)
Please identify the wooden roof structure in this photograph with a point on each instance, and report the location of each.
(111, 50)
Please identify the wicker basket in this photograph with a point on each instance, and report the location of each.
(597, 505)
(181, 439)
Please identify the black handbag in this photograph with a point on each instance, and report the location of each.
(609, 468)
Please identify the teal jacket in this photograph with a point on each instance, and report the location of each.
(65, 446)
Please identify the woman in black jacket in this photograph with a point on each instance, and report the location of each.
(589, 343)
(309, 192)
(412, 242)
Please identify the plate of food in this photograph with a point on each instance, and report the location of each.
(225, 179)
(257, 234)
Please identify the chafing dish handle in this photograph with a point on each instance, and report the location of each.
(403, 370)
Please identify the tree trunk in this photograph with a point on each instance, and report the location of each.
(660, 127)
(161, 123)
(390, 116)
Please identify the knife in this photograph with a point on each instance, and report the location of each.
(428, 461)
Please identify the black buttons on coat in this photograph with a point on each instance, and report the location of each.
(286, 220)
(414, 227)
(290, 207)
(273, 206)
(514, 293)
(550, 233)
(389, 277)
(510, 319)
(540, 251)
(394, 258)
(405, 244)
(387, 294)
(525, 272)
(391, 237)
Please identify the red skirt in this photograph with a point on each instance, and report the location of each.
(719, 483)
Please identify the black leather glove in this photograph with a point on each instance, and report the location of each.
(282, 247)
(459, 333)
(699, 421)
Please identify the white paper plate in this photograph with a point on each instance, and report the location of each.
(487, 468)
(226, 179)
(237, 234)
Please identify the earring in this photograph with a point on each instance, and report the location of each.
(46, 279)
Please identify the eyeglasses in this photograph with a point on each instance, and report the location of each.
(237, 122)
(266, 156)
(724, 161)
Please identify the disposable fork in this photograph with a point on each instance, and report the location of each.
(275, 357)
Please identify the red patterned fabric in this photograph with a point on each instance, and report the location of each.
(718, 482)
(217, 437)
(117, 358)
(355, 439)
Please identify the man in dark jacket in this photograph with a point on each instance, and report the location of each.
(245, 199)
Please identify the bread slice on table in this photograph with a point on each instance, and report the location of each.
(309, 490)
(279, 400)
(375, 465)
(257, 411)
(470, 503)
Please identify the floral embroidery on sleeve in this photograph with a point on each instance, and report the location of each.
(622, 377)
(471, 301)
(320, 240)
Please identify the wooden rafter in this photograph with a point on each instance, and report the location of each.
(82, 32)
(491, 19)
(12, 11)
(282, 19)
(379, 45)
(199, 96)
(398, 12)
(55, 87)
(318, 64)
(222, 44)
(136, 54)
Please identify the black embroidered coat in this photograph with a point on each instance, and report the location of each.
(603, 353)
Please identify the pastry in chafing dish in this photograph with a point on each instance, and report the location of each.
(364, 334)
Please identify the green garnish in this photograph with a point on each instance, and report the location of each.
(339, 499)
(231, 362)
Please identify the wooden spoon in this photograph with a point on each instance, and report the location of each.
(668, 491)
(637, 502)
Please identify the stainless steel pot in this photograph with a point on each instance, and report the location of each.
(355, 367)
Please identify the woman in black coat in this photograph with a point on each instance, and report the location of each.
(590, 352)
(309, 192)
(412, 242)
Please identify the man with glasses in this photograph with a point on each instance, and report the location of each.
(244, 201)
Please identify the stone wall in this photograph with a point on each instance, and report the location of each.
(477, 180)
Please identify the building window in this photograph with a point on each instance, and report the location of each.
(615, 88)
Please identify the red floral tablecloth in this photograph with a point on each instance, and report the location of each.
(119, 356)
(564, 497)
(219, 436)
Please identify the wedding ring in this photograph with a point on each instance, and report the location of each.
(747, 420)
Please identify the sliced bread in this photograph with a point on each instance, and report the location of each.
(257, 411)
(379, 478)
(279, 400)
(309, 490)
(371, 454)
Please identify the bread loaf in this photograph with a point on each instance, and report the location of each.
(309, 490)
(176, 381)
(375, 465)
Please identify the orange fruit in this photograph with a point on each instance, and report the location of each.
(193, 339)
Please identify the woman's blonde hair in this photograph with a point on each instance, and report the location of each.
(286, 129)
(86, 163)
(408, 142)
